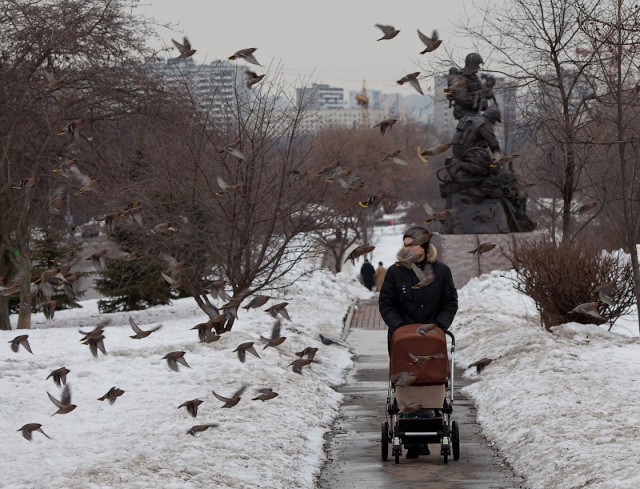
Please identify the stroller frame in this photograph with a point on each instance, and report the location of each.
(440, 429)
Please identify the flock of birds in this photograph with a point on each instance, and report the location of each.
(95, 339)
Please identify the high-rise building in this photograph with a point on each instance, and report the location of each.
(214, 87)
(321, 97)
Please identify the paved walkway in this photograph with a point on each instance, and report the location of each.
(354, 445)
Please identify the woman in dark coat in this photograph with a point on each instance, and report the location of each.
(402, 302)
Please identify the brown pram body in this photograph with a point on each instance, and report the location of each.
(418, 408)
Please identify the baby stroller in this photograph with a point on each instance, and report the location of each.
(418, 408)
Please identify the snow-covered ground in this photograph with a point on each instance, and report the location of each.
(561, 407)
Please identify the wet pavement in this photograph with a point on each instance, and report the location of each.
(354, 446)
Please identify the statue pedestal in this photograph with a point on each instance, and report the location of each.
(453, 249)
(468, 217)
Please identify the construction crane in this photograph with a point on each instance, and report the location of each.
(362, 100)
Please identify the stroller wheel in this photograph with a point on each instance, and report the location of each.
(455, 440)
(385, 441)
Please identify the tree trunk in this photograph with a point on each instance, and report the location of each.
(5, 323)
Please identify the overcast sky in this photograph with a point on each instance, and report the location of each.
(330, 41)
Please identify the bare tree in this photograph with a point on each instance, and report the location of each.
(613, 44)
(66, 67)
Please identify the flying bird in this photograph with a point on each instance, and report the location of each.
(424, 278)
(297, 365)
(216, 289)
(64, 404)
(385, 125)
(26, 183)
(420, 359)
(72, 128)
(411, 79)
(438, 216)
(480, 364)
(163, 228)
(359, 251)
(504, 160)
(431, 43)
(29, 428)
(482, 248)
(191, 406)
(21, 340)
(585, 208)
(279, 309)
(372, 202)
(605, 293)
(253, 78)
(199, 428)
(174, 358)
(232, 148)
(265, 394)
(111, 395)
(393, 158)
(403, 379)
(275, 339)
(388, 30)
(247, 55)
(59, 376)
(139, 333)
(432, 151)
(590, 308)
(257, 301)
(229, 402)
(242, 348)
(186, 51)
(309, 351)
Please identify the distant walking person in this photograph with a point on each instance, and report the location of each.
(379, 276)
(367, 271)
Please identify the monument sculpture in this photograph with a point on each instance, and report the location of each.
(483, 194)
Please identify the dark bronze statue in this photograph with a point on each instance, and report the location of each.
(483, 196)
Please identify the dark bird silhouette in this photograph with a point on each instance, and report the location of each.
(275, 339)
(385, 125)
(139, 333)
(64, 404)
(29, 428)
(245, 347)
(359, 251)
(192, 406)
(504, 160)
(205, 331)
(26, 183)
(431, 43)
(330, 341)
(95, 343)
(229, 402)
(480, 364)
(186, 51)
(199, 428)
(411, 79)
(21, 340)
(111, 395)
(48, 308)
(247, 55)
(72, 128)
(174, 358)
(420, 359)
(388, 30)
(309, 351)
(483, 248)
(297, 365)
(265, 394)
(438, 216)
(59, 376)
